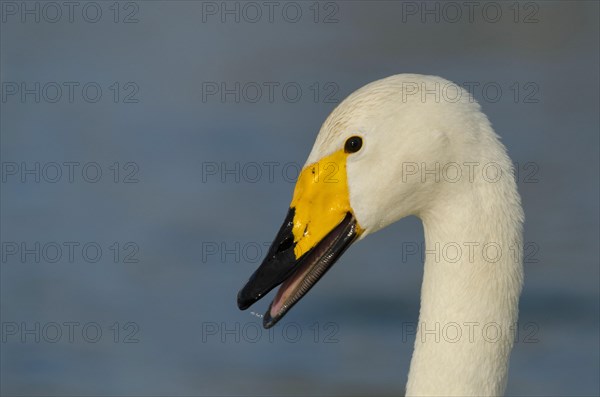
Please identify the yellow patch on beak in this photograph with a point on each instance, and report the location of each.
(321, 201)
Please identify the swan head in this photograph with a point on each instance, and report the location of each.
(371, 165)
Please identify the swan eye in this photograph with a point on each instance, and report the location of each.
(353, 144)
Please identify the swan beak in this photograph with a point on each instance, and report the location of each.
(318, 228)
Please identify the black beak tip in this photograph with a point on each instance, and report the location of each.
(269, 321)
(275, 268)
(244, 301)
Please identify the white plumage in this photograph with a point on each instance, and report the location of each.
(480, 212)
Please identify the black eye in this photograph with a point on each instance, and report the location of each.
(353, 144)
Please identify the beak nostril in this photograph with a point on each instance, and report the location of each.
(285, 244)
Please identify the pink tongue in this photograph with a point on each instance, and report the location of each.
(287, 288)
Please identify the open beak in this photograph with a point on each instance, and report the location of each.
(297, 275)
(319, 227)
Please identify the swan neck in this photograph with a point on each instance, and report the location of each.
(469, 297)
